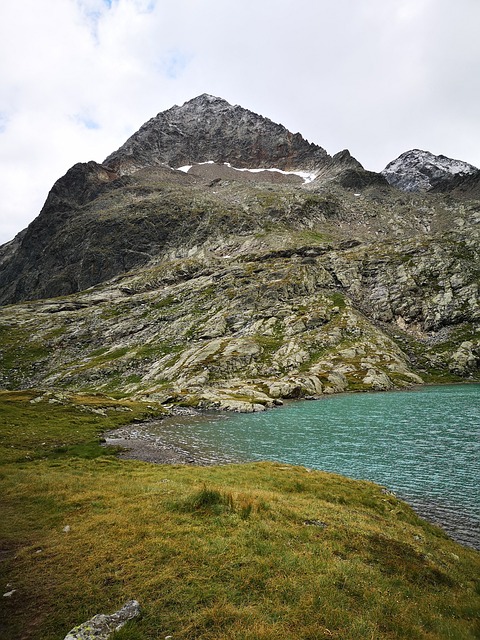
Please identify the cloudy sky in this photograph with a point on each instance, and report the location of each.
(379, 77)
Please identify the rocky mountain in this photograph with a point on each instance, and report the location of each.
(210, 129)
(418, 170)
(100, 220)
(218, 260)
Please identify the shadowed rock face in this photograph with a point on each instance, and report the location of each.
(210, 129)
(462, 185)
(46, 256)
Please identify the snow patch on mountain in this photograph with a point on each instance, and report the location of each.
(186, 168)
(307, 176)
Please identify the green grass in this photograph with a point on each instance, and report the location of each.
(254, 551)
(20, 355)
(156, 350)
(36, 425)
(168, 301)
(338, 299)
(269, 346)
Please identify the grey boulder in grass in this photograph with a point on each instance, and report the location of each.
(101, 626)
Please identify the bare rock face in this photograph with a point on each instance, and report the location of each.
(418, 170)
(210, 129)
(101, 626)
(461, 185)
(43, 259)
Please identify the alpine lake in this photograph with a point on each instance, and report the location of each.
(422, 444)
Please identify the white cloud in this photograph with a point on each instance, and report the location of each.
(78, 77)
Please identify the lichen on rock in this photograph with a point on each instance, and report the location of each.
(102, 626)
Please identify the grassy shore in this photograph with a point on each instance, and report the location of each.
(254, 551)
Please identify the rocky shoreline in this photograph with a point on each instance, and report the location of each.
(136, 447)
(137, 442)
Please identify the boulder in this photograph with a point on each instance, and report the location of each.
(101, 626)
(465, 359)
(378, 380)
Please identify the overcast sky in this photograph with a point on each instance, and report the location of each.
(379, 77)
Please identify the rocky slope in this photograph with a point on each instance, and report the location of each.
(235, 286)
(280, 316)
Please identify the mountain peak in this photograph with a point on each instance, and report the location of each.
(206, 97)
(208, 128)
(203, 101)
(419, 170)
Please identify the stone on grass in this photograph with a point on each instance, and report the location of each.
(101, 626)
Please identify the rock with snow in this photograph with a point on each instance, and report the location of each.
(101, 626)
(418, 170)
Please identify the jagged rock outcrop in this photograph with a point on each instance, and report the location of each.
(418, 170)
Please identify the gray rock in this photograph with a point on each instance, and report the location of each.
(378, 381)
(466, 358)
(337, 381)
(101, 626)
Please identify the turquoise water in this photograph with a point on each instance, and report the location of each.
(424, 445)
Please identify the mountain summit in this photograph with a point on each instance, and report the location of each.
(103, 219)
(209, 129)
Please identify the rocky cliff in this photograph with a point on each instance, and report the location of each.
(218, 260)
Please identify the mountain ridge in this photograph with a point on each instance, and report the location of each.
(43, 262)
